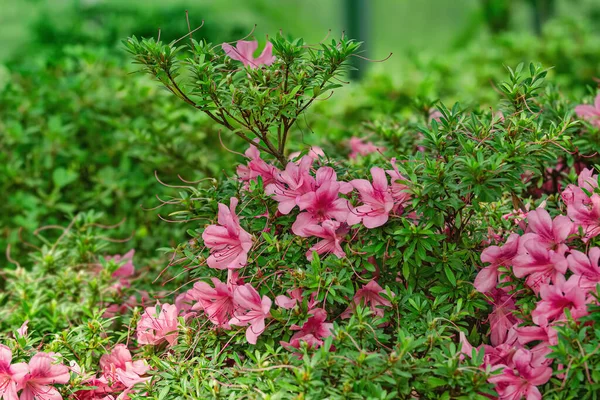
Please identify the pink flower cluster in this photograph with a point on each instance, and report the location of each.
(560, 276)
(35, 379)
(324, 213)
(229, 303)
(118, 377)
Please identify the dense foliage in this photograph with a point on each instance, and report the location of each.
(440, 252)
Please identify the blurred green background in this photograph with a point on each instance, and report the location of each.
(30, 26)
(79, 131)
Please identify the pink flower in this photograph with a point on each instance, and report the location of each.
(295, 298)
(586, 214)
(497, 256)
(311, 332)
(216, 302)
(101, 390)
(332, 233)
(22, 331)
(399, 191)
(158, 326)
(359, 147)
(8, 371)
(522, 380)
(244, 52)
(315, 325)
(118, 366)
(545, 335)
(42, 372)
(315, 152)
(120, 309)
(552, 233)
(125, 270)
(322, 203)
(587, 267)
(587, 180)
(229, 244)
(435, 114)
(538, 263)
(251, 310)
(256, 167)
(555, 298)
(376, 198)
(291, 183)
(369, 294)
(501, 319)
(590, 113)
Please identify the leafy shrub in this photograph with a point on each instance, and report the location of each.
(79, 133)
(307, 276)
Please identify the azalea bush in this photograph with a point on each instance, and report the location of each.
(449, 253)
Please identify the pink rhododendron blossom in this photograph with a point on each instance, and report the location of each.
(100, 390)
(127, 269)
(359, 147)
(399, 191)
(590, 113)
(497, 256)
(229, 244)
(369, 294)
(256, 167)
(315, 325)
(132, 301)
(251, 310)
(323, 203)
(435, 114)
(538, 263)
(157, 326)
(8, 371)
(555, 298)
(551, 233)
(41, 372)
(244, 52)
(587, 180)
(312, 332)
(587, 215)
(22, 331)
(294, 299)
(216, 302)
(118, 366)
(291, 183)
(315, 152)
(376, 198)
(586, 267)
(545, 335)
(501, 319)
(297, 341)
(521, 380)
(332, 233)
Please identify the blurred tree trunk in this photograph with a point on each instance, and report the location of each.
(357, 27)
(497, 14)
(543, 10)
